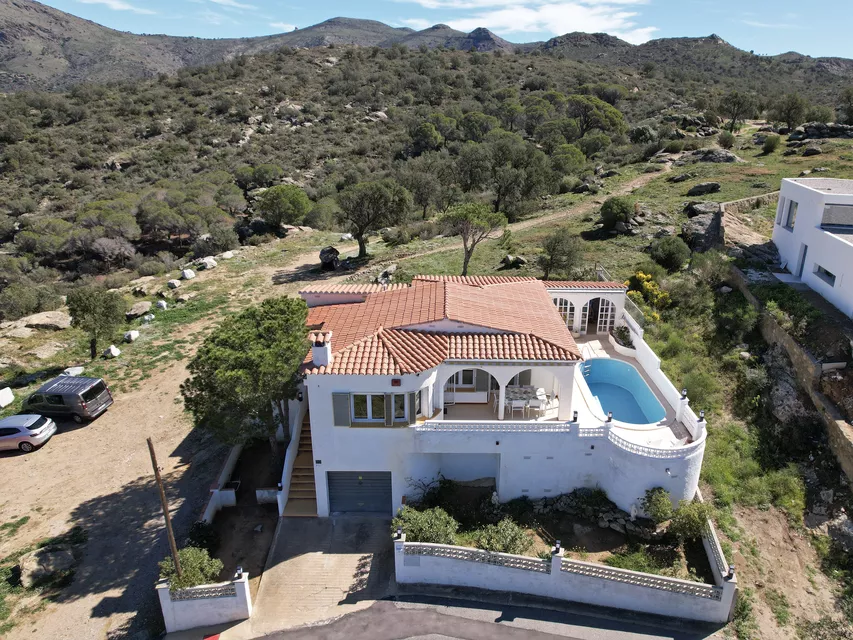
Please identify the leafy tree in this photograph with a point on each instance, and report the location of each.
(230, 198)
(670, 252)
(593, 113)
(423, 185)
(568, 159)
(561, 252)
(846, 104)
(97, 312)
(737, 106)
(197, 567)
(509, 112)
(475, 125)
(426, 138)
(370, 205)
(25, 298)
(791, 109)
(283, 204)
(245, 372)
(820, 113)
(616, 209)
(474, 223)
(592, 143)
(265, 174)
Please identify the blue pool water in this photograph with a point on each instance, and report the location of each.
(621, 389)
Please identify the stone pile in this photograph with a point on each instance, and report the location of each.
(812, 130)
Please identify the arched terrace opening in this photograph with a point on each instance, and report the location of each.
(598, 316)
(469, 394)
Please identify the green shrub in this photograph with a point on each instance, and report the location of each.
(197, 567)
(671, 253)
(726, 140)
(734, 316)
(503, 537)
(25, 298)
(674, 146)
(657, 504)
(622, 335)
(635, 559)
(771, 143)
(431, 525)
(690, 519)
(616, 209)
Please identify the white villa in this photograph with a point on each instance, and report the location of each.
(814, 235)
(515, 381)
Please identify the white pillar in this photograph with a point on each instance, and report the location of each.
(501, 400)
(566, 377)
(439, 398)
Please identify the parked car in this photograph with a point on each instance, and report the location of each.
(72, 397)
(25, 432)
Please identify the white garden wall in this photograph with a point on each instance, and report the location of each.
(559, 578)
(205, 605)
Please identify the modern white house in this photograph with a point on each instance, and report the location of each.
(814, 235)
(513, 381)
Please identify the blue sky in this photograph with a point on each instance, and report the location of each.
(765, 26)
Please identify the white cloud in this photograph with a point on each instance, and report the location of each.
(233, 4)
(770, 25)
(417, 23)
(616, 17)
(216, 19)
(283, 26)
(120, 5)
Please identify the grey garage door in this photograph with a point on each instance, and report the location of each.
(360, 492)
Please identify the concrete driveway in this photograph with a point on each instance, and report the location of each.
(323, 568)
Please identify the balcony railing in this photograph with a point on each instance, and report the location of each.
(503, 426)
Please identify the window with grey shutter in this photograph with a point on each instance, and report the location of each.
(389, 409)
(340, 409)
(413, 406)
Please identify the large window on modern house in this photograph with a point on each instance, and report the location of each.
(837, 216)
(827, 276)
(791, 216)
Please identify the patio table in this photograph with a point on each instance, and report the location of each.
(524, 393)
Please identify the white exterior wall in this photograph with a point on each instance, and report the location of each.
(825, 249)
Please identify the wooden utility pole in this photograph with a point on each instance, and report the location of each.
(165, 506)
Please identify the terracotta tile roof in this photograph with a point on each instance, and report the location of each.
(476, 281)
(505, 346)
(582, 284)
(352, 288)
(393, 332)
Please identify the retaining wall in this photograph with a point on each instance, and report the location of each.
(749, 204)
(205, 605)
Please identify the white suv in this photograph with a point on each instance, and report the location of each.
(25, 432)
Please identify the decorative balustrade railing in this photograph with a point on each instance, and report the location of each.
(494, 426)
(654, 452)
(673, 585)
(198, 593)
(477, 555)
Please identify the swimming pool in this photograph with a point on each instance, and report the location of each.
(620, 388)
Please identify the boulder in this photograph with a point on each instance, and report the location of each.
(140, 291)
(840, 530)
(329, 258)
(206, 263)
(725, 289)
(174, 284)
(49, 320)
(46, 351)
(346, 237)
(138, 309)
(44, 564)
(18, 332)
(147, 318)
(6, 397)
(704, 232)
(582, 188)
(390, 269)
(187, 274)
(694, 209)
(682, 177)
(704, 188)
(812, 151)
(112, 351)
(186, 297)
(711, 155)
(131, 335)
(162, 304)
(227, 255)
(610, 173)
(508, 260)
(520, 261)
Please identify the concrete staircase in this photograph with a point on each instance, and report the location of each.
(302, 500)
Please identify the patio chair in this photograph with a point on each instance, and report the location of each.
(536, 404)
(518, 405)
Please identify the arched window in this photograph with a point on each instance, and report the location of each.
(566, 310)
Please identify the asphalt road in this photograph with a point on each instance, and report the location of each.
(422, 618)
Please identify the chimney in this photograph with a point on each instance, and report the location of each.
(321, 349)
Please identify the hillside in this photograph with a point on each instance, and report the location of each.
(44, 48)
